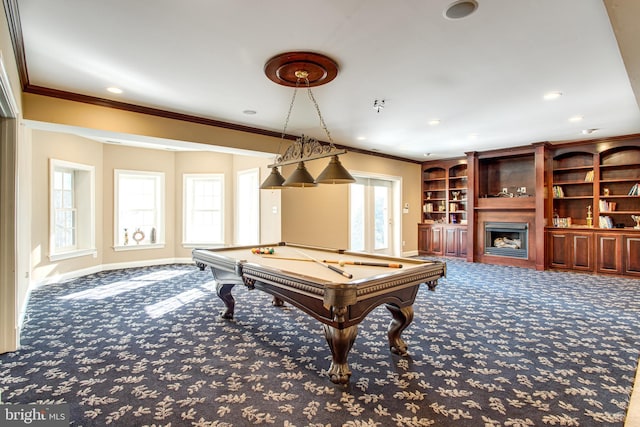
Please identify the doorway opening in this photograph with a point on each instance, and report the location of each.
(375, 214)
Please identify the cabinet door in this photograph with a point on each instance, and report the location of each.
(559, 250)
(423, 239)
(462, 242)
(582, 251)
(451, 242)
(436, 241)
(609, 253)
(632, 255)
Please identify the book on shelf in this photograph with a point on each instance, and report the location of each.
(589, 177)
(635, 190)
(558, 193)
(606, 206)
(605, 222)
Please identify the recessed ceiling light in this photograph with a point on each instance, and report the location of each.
(552, 95)
(249, 112)
(473, 136)
(434, 122)
(575, 118)
(114, 89)
(588, 131)
(361, 138)
(426, 154)
(460, 9)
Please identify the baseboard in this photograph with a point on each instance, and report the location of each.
(71, 275)
(409, 254)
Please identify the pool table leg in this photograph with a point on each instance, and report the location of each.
(402, 317)
(224, 292)
(340, 342)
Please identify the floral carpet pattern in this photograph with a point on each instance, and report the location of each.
(492, 346)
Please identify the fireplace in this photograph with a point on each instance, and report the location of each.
(508, 239)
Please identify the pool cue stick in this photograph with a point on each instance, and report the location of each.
(333, 261)
(367, 263)
(330, 267)
(286, 258)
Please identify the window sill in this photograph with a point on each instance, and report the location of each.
(72, 254)
(209, 245)
(138, 247)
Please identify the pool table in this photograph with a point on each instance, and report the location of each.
(337, 287)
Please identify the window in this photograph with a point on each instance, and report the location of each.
(203, 209)
(248, 207)
(139, 209)
(72, 210)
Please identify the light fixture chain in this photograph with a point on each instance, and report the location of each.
(324, 126)
(293, 100)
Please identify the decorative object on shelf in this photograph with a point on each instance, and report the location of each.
(589, 217)
(605, 191)
(126, 237)
(455, 194)
(309, 69)
(558, 192)
(442, 207)
(428, 195)
(138, 236)
(636, 218)
(453, 206)
(635, 190)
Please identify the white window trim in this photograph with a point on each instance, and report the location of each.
(190, 245)
(116, 215)
(90, 228)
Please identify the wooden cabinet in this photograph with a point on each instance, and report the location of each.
(570, 250)
(442, 240)
(455, 241)
(430, 240)
(618, 253)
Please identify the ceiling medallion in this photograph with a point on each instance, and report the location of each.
(282, 68)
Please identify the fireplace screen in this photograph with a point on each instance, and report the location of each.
(506, 239)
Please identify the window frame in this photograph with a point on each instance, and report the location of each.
(84, 206)
(187, 181)
(159, 211)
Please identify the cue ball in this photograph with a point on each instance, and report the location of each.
(341, 262)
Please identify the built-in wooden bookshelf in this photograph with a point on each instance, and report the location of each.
(559, 191)
(444, 208)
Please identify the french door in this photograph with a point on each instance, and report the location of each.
(371, 214)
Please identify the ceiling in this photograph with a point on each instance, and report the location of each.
(483, 76)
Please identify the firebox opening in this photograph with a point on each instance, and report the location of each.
(507, 239)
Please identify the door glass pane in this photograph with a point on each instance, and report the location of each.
(357, 217)
(381, 217)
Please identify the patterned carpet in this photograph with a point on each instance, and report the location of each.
(492, 346)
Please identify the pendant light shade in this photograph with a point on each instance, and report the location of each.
(300, 178)
(335, 173)
(274, 180)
